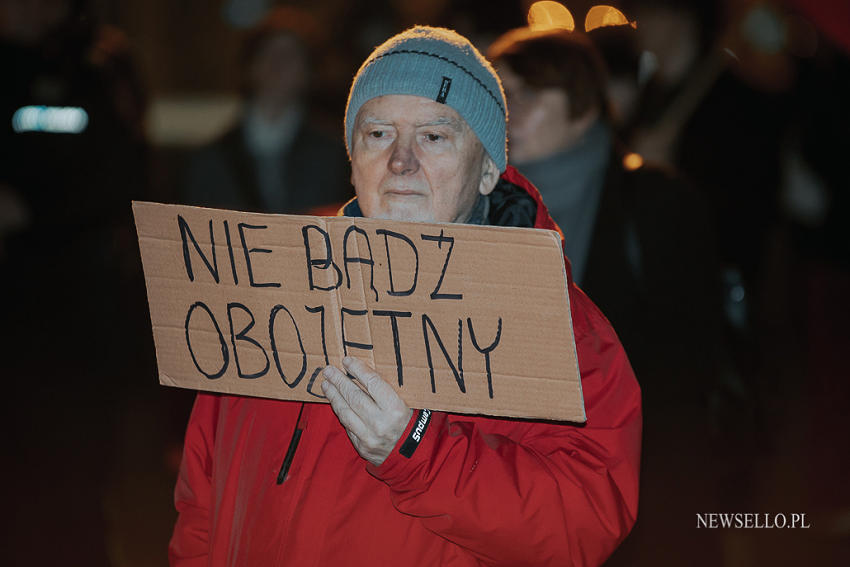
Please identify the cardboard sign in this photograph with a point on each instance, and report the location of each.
(455, 317)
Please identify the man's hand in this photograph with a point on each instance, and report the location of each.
(374, 421)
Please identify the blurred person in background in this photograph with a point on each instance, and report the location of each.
(276, 158)
(715, 105)
(749, 102)
(641, 246)
(626, 74)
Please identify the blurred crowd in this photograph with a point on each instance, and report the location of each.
(691, 152)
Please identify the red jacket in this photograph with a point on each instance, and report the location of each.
(477, 490)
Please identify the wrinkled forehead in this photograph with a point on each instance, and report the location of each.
(409, 110)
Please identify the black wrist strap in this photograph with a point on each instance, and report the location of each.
(416, 434)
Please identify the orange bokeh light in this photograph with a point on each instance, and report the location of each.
(632, 161)
(548, 15)
(601, 16)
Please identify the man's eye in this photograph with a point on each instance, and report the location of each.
(376, 134)
(433, 137)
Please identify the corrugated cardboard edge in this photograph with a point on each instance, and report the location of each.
(136, 206)
(557, 238)
(167, 380)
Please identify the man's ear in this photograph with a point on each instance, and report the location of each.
(489, 175)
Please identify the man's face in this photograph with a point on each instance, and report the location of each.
(415, 159)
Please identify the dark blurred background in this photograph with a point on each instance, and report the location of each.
(105, 101)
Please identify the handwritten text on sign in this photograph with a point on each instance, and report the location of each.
(455, 317)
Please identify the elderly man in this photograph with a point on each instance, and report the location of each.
(368, 481)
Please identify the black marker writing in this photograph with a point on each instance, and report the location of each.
(386, 234)
(243, 336)
(345, 343)
(272, 317)
(439, 240)
(321, 263)
(456, 370)
(393, 315)
(248, 251)
(486, 351)
(321, 310)
(185, 236)
(225, 357)
(230, 253)
(353, 229)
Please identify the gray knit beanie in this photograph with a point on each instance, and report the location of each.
(439, 64)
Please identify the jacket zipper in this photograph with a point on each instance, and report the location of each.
(293, 446)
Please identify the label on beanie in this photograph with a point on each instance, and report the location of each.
(444, 90)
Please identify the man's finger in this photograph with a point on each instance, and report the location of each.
(346, 415)
(383, 394)
(359, 401)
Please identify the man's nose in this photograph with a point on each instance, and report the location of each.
(403, 160)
